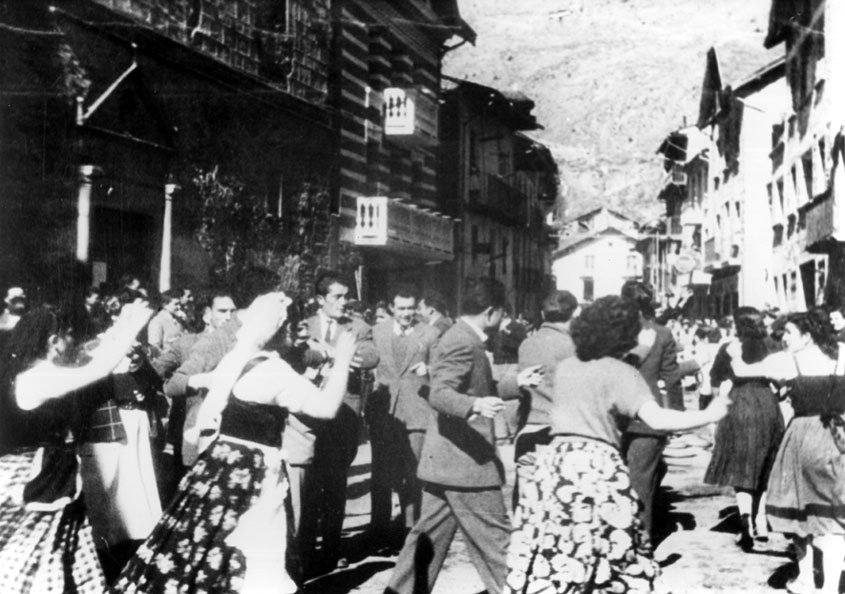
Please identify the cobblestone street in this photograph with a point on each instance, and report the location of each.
(698, 553)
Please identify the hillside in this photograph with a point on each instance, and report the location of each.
(610, 79)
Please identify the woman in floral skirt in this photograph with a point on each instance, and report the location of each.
(226, 531)
(45, 538)
(576, 526)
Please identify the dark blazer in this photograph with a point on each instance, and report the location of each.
(661, 363)
(408, 392)
(460, 451)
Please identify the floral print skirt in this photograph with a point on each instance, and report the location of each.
(576, 528)
(225, 530)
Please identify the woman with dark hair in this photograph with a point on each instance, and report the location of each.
(806, 487)
(576, 527)
(748, 438)
(46, 543)
(225, 530)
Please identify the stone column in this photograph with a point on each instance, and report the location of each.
(166, 237)
(83, 207)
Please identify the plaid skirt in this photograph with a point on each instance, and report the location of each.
(43, 551)
(576, 528)
(225, 530)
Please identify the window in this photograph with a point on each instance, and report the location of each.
(588, 289)
(632, 262)
(589, 262)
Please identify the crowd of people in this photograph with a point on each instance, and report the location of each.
(173, 442)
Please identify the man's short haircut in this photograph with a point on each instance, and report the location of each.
(435, 300)
(209, 297)
(558, 306)
(171, 295)
(642, 294)
(404, 290)
(482, 293)
(327, 279)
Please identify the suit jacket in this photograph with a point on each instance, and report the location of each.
(661, 363)
(442, 324)
(408, 391)
(459, 450)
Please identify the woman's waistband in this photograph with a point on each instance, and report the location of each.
(577, 437)
(270, 452)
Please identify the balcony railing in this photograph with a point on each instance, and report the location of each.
(410, 117)
(291, 55)
(820, 220)
(382, 221)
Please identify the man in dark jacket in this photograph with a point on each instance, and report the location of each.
(643, 446)
(461, 472)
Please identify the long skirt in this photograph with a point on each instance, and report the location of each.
(224, 532)
(747, 439)
(807, 484)
(577, 528)
(120, 483)
(44, 548)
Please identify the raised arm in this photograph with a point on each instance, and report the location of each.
(777, 366)
(46, 381)
(263, 318)
(666, 419)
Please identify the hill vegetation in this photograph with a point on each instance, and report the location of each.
(610, 79)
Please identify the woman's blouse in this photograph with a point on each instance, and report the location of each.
(264, 422)
(596, 399)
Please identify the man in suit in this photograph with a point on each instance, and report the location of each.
(335, 441)
(433, 311)
(398, 412)
(643, 446)
(459, 466)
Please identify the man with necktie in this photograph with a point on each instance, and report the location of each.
(335, 442)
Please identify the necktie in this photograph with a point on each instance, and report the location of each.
(328, 336)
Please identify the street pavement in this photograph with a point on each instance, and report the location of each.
(698, 551)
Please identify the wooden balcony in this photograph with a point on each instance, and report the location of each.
(410, 117)
(495, 197)
(290, 55)
(404, 228)
(821, 221)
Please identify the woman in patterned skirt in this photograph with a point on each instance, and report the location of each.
(748, 438)
(45, 539)
(226, 531)
(806, 492)
(576, 526)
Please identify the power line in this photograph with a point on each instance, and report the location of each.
(24, 31)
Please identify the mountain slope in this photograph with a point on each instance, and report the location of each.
(610, 79)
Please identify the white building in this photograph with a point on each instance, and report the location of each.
(597, 254)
